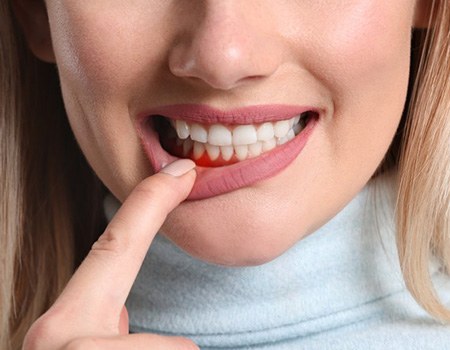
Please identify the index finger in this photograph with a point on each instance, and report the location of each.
(101, 284)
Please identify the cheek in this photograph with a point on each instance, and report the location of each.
(363, 59)
(109, 142)
(94, 56)
(101, 63)
(363, 49)
(109, 50)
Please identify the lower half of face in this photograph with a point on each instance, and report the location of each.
(348, 63)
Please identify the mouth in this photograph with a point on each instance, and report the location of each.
(231, 149)
(220, 145)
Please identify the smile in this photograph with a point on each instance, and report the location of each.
(219, 144)
(232, 149)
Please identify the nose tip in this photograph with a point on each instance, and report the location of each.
(220, 69)
(223, 53)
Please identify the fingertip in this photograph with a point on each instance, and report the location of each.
(181, 175)
(179, 167)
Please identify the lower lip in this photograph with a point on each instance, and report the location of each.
(212, 182)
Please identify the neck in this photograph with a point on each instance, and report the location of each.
(344, 272)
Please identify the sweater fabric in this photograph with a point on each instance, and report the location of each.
(338, 288)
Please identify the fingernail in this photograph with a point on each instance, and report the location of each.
(178, 167)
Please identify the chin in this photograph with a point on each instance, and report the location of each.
(228, 248)
(224, 256)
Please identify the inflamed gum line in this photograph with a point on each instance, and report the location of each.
(221, 145)
(232, 149)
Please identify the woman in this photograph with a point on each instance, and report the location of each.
(287, 108)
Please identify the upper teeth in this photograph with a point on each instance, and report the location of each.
(220, 135)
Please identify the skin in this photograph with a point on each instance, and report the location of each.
(116, 59)
(90, 312)
(350, 58)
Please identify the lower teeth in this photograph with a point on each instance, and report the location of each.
(209, 155)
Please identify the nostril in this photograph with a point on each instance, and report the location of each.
(223, 56)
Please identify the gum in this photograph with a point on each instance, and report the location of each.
(204, 160)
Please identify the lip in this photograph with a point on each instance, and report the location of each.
(215, 181)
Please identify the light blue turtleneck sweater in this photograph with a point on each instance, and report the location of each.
(338, 289)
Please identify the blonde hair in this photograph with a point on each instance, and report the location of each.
(423, 202)
(49, 192)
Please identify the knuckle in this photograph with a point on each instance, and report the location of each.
(109, 243)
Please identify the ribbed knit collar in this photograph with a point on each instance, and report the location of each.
(340, 274)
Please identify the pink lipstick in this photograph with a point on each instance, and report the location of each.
(213, 181)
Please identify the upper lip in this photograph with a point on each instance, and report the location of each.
(244, 115)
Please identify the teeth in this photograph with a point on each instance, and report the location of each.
(241, 152)
(219, 135)
(183, 129)
(281, 128)
(199, 149)
(199, 133)
(265, 132)
(282, 140)
(290, 135)
(244, 135)
(269, 145)
(213, 151)
(297, 128)
(187, 147)
(227, 152)
(243, 141)
(254, 150)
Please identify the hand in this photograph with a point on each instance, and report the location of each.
(90, 313)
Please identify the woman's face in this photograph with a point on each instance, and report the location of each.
(122, 63)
